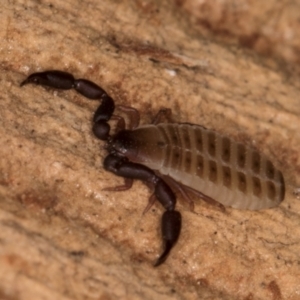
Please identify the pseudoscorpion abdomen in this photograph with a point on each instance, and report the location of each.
(225, 170)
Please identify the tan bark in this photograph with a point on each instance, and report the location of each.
(61, 236)
(268, 27)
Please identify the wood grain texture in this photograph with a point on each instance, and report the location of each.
(61, 236)
(267, 27)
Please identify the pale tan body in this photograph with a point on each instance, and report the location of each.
(208, 162)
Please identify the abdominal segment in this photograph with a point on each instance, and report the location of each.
(228, 171)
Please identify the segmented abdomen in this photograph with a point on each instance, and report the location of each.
(225, 170)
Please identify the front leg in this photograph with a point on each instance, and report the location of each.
(121, 188)
(171, 219)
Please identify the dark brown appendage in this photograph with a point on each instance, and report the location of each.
(124, 145)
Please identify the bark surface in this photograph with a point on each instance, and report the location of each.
(61, 235)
